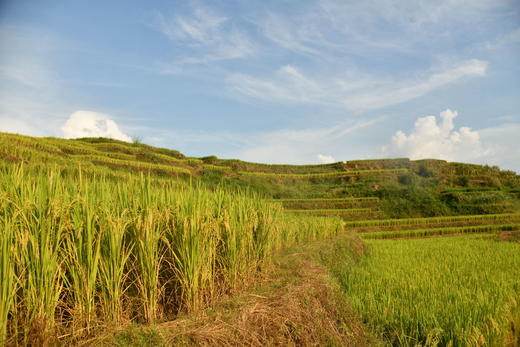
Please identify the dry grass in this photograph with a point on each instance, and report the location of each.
(296, 303)
(511, 235)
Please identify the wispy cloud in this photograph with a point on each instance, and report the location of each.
(295, 146)
(299, 36)
(354, 92)
(397, 92)
(208, 37)
(350, 28)
(24, 57)
(510, 38)
(503, 143)
(304, 146)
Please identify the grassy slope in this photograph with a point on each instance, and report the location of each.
(405, 188)
(87, 248)
(397, 188)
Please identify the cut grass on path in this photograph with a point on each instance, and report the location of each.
(296, 303)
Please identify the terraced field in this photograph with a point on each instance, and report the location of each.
(324, 174)
(460, 290)
(161, 195)
(348, 208)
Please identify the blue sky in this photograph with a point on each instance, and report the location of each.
(269, 81)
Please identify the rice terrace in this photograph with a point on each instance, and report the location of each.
(111, 243)
(250, 173)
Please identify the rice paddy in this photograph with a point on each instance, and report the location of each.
(86, 251)
(433, 221)
(457, 291)
(98, 234)
(493, 228)
(324, 174)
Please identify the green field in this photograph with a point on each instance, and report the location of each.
(81, 250)
(99, 235)
(456, 291)
(493, 228)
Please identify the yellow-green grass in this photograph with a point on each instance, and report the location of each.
(493, 228)
(332, 203)
(454, 291)
(33, 151)
(312, 200)
(335, 211)
(325, 174)
(239, 165)
(470, 190)
(83, 249)
(388, 224)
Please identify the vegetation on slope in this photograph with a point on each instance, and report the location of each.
(118, 232)
(405, 188)
(410, 298)
(81, 251)
(296, 303)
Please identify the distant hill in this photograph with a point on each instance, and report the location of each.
(398, 187)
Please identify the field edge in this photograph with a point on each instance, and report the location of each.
(297, 302)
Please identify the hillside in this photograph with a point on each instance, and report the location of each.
(102, 233)
(395, 188)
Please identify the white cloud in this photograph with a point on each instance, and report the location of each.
(291, 36)
(25, 56)
(430, 139)
(503, 140)
(325, 159)
(511, 38)
(351, 28)
(301, 146)
(350, 91)
(17, 126)
(401, 92)
(92, 124)
(207, 36)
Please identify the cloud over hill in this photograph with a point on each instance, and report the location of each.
(441, 140)
(92, 124)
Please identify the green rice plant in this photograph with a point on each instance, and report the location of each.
(92, 248)
(192, 252)
(456, 291)
(8, 280)
(332, 211)
(149, 253)
(440, 231)
(368, 198)
(113, 271)
(400, 222)
(324, 204)
(83, 249)
(39, 234)
(325, 174)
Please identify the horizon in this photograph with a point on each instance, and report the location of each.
(269, 82)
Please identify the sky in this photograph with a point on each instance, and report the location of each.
(272, 81)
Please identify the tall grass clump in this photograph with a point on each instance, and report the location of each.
(83, 247)
(8, 280)
(82, 250)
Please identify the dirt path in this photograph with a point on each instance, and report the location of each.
(296, 303)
